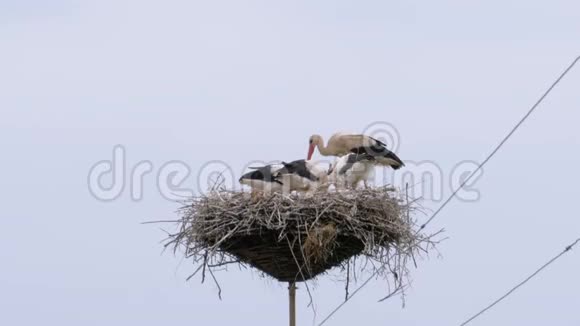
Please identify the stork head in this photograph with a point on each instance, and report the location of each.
(314, 141)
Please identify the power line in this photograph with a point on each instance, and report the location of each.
(496, 149)
(348, 299)
(504, 140)
(567, 249)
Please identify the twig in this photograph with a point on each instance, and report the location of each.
(225, 228)
(216, 283)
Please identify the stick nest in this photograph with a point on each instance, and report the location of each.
(297, 238)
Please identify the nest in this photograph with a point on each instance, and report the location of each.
(297, 238)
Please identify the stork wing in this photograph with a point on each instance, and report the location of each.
(351, 141)
(378, 141)
(299, 168)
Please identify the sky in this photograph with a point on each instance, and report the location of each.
(192, 82)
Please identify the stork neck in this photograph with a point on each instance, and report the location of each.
(322, 148)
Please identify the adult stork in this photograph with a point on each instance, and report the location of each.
(342, 143)
(349, 170)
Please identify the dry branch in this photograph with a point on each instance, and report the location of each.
(297, 238)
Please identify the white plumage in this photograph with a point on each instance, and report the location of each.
(349, 170)
(263, 179)
(343, 144)
(301, 176)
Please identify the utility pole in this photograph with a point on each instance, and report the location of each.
(292, 299)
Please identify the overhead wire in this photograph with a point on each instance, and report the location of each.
(480, 166)
(512, 290)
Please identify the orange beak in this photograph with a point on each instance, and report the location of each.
(311, 151)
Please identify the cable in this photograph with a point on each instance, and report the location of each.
(513, 130)
(348, 299)
(505, 139)
(567, 249)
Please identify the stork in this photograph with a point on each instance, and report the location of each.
(303, 176)
(342, 143)
(349, 170)
(263, 179)
(300, 175)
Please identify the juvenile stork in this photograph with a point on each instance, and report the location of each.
(342, 143)
(349, 170)
(263, 179)
(301, 176)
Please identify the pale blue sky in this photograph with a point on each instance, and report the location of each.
(245, 80)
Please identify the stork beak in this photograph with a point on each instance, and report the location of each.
(310, 151)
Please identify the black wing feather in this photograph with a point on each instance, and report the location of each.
(262, 173)
(378, 142)
(298, 167)
(378, 151)
(355, 158)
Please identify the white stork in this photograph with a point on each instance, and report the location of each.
(342, 143)
(301, 176)
(349, 170)
(263, 179)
